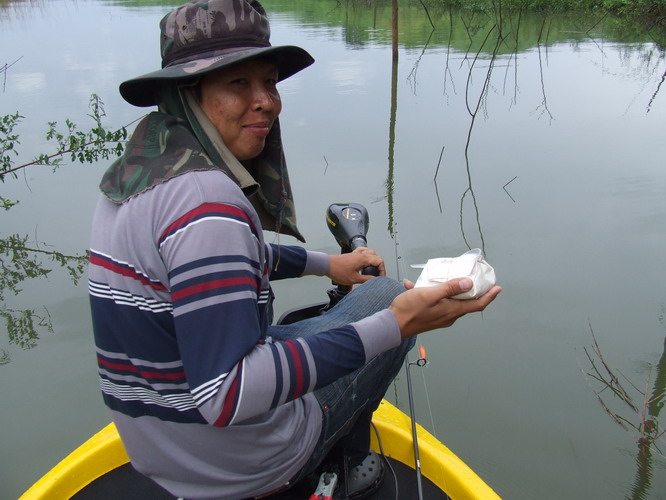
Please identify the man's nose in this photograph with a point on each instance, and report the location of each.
(263, 97)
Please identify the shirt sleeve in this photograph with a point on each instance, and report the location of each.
(286, 261)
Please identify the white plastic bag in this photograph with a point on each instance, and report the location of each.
(470, 264)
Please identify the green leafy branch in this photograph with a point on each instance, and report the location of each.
(84, 147)
(19, 262)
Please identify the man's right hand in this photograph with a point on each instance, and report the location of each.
(423, 309)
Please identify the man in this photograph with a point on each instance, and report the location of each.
(210, 400)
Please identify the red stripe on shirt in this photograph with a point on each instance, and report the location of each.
(212, 285)
(124, 271)
(207, 208)
(145, 374)
(298, 365)
(230, 402)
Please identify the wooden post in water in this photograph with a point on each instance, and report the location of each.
(394, 29)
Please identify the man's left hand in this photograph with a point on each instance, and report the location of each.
(345, 269)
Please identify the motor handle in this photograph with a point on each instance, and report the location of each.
(360, 241)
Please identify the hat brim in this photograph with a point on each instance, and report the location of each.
(141, 91)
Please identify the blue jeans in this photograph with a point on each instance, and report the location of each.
(348, 403)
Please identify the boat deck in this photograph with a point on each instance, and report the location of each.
(126, 483)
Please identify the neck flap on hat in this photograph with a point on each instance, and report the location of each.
(180, 139)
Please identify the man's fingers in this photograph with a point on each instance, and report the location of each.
(456, 286)
(453, 287)
(490, 295)
(482, 302)
(368, 257)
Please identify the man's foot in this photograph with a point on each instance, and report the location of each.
(364, 479)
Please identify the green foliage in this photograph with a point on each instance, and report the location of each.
(7, 204)
(8, 142)
(650, 9)
(22, 326)
(18, 263)
(643, 8)
(462, 24)
(21, 261)
(82, 146)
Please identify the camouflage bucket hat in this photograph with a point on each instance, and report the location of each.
(202, 36)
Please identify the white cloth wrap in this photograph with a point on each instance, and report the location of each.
(471, 264)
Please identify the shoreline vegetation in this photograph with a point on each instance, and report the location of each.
(625, 16)
(654, 9)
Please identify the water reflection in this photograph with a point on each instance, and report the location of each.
(643, 404)
(390, 178)
(21, 260)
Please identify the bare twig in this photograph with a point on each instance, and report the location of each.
(663, 77)
(439, 201)
(3, 70)
(505, 185)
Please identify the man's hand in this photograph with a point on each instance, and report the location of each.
(420, 310)
(345, 269)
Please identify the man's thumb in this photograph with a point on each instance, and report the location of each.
(457, 285)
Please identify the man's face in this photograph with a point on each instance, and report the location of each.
(242, 102)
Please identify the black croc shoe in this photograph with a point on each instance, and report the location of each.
(364, 479)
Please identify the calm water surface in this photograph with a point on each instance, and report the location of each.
(549, 155)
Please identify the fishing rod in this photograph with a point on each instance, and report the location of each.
(420, 362)
(348, 222)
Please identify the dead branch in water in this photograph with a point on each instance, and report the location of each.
(650, 405)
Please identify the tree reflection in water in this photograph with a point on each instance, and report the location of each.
(20, 261)
(643, 405)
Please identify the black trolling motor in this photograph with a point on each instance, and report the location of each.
(348, 222)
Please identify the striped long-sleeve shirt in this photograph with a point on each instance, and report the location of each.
(179, 287)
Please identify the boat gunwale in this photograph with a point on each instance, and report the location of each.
(104, 452)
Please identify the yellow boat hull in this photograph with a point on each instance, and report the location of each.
(104, 452)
